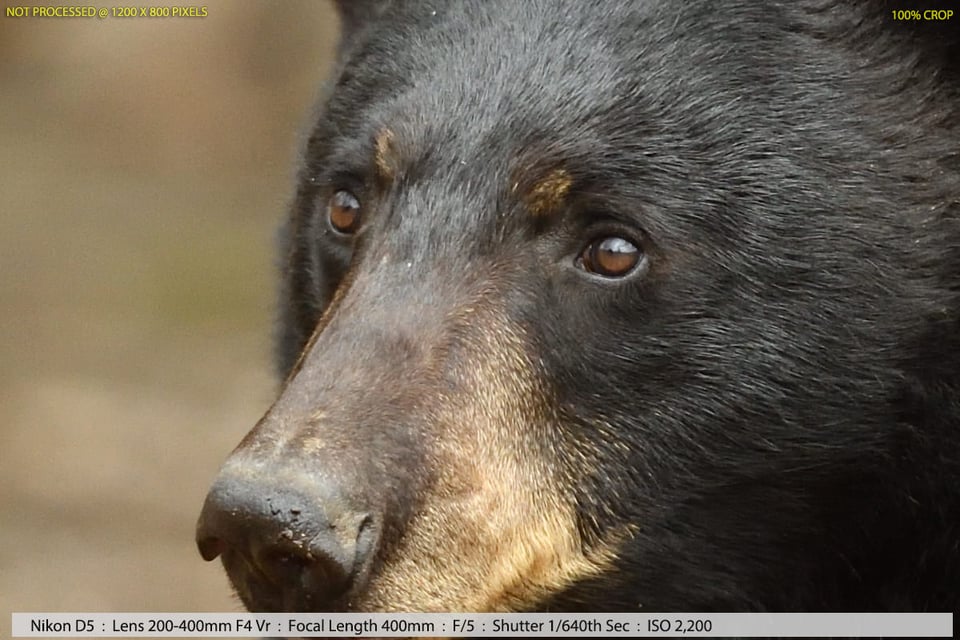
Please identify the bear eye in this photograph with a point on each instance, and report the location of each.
(610, 257)
(343, 211)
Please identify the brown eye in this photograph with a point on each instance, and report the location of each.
(343, 210)
(611, 257)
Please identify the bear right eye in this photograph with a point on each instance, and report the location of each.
(343, 212)
(610, 257)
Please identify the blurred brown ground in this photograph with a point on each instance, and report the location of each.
(144, 166)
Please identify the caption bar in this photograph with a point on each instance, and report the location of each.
(452, 625)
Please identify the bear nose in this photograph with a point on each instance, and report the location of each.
(298, 537)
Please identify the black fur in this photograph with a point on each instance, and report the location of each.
(775, 402)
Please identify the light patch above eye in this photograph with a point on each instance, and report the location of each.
(385, 155)
(547, 196)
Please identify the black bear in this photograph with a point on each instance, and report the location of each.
(615, 305)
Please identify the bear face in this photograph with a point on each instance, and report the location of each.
(614, 306)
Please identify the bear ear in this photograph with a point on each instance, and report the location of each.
(355, 15)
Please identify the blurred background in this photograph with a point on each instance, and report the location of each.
(145, 164)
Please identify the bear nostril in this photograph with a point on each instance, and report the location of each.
(210, 547)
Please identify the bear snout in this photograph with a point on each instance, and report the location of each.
(290, 541)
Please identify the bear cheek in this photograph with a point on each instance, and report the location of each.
(498, 527)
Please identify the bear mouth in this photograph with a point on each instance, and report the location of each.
(307, 587)
(291, 582)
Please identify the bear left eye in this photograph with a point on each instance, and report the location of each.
(343, 211)
(610, 257)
